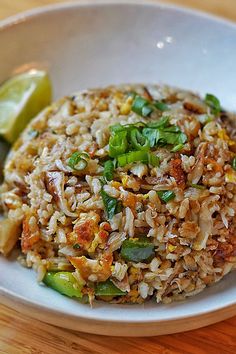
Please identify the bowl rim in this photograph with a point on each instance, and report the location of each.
(29, 15)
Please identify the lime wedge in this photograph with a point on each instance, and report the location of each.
(21, 98)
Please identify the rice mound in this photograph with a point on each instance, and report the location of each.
(59, 215)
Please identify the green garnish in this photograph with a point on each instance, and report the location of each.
(126, 127)
(107, 288)
(111, 204)
(64, 283)
(213, 102)
(138, 141)
(177, 148)
(108, 170)
(79, 160)
(164, 136)
(137, 250)
(160, 123)
(161, 106)
(197, 186)
(141, 106)
(166, 196)
(118, 143)
(138, 156)
(76, 246)
(234, 163)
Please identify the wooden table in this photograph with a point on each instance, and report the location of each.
(22, 335)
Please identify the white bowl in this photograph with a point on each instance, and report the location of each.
(90, 45)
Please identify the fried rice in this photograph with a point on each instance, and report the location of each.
(82, 195)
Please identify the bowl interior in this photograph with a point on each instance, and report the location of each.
(96, 45)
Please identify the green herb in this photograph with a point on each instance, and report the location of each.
(107, 288)
(160, 123)
(151, 135)
(141, 106)
(213, 102)
(126, 127)
(164, 136)
(110, 204)
(138, 156)
(108, 170)
(76, 246)
(234, 163)
(161, 106)
(118, 143)
(177, 148)
(166, 196)
(137, 250)
(197, 186)
(79, 160)
(138, 141)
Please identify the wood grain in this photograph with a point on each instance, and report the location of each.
(22, 335)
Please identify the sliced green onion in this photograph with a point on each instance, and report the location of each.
(118, 143)
(108, 170)
(160, 123)
(213, 102)
(79, 160)
(197, 186)
(161, 106)
(177, 148)
(138, 141)
(153, 160)
(234, 163)
(138, 156)
(166, 196)
(107, 288)
(110, 204)
(151, 135)
(137, 250)
(126, 127)
(141, 106)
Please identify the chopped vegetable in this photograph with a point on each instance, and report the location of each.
(76, 246)
(160, 123)
(213, 102)
(138, 141)
(64, 283)
(161, 106)
(108, 170)
(107, 288)
(141, 106)
(234, 163)
(79, 160)
(163, 137)
(166, 196)
(22, 97)
(138, 156)
(177, 148)
(151, 135)
(118, 143)
(111, 204)
(137, 250)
